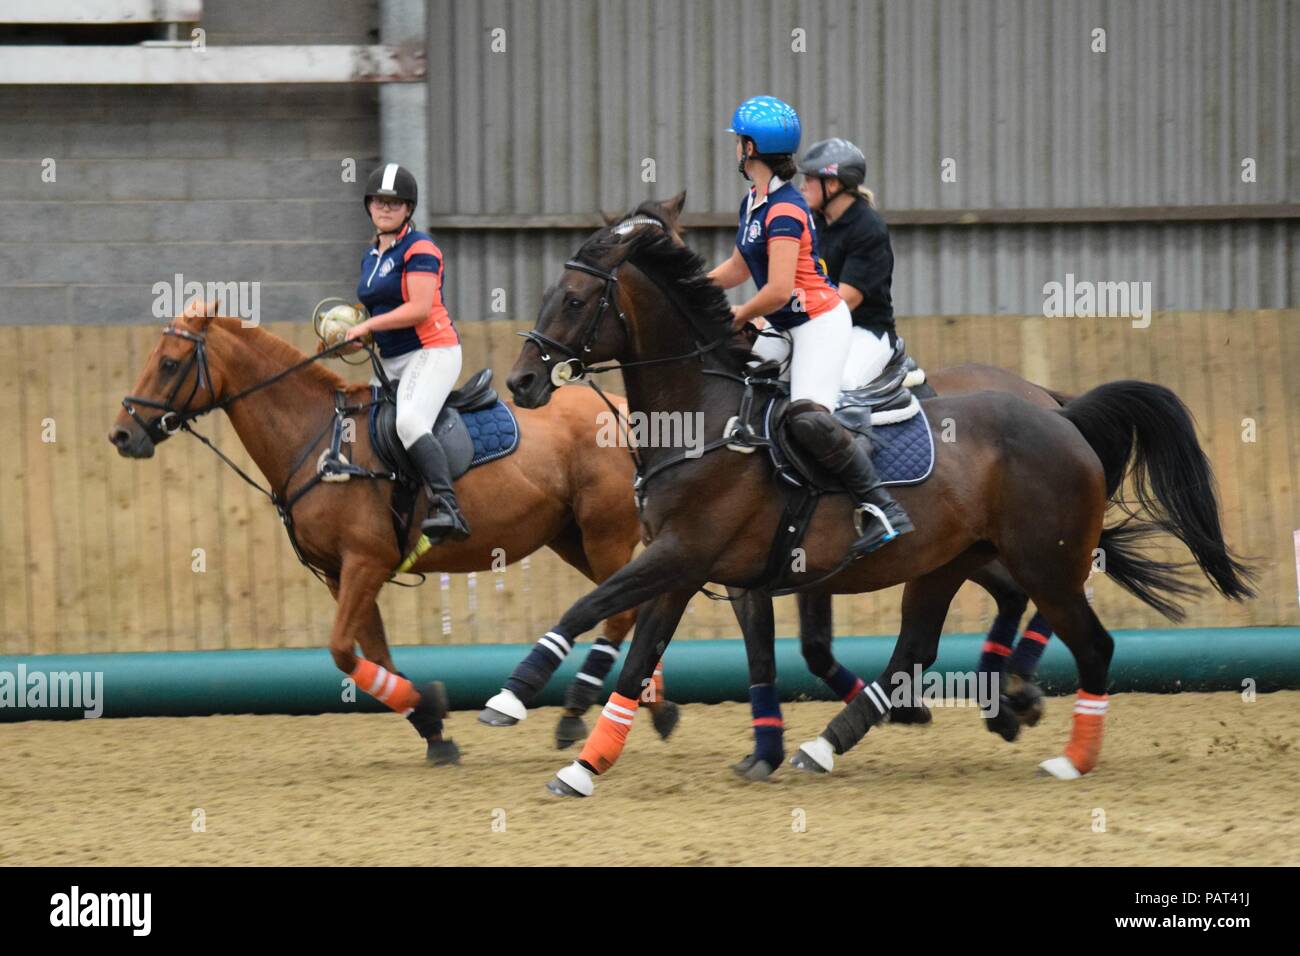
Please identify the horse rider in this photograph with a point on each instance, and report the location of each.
(776, 245)
(401, 285)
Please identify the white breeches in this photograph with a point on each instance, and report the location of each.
(869, 353)
(427, 377)
(820, 347)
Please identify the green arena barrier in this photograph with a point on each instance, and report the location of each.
(304, 681)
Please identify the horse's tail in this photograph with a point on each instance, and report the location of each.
(1146, 431)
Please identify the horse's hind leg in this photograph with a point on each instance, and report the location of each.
(1003, 719)
(925, 607)
(816, 633)
(753, 611)
(1092, 647)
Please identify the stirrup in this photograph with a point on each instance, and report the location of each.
(860, 526)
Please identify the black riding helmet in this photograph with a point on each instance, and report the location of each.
(392, 181)
(834, 159)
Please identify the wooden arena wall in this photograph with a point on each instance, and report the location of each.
(98, 550)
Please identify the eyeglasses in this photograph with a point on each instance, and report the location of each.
(390, 204)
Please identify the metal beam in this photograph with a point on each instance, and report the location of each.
(105, 12)
(180, 63)
(919, 217)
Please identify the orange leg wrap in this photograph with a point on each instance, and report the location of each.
(606, 741)
(386, 687)
(1085, 734)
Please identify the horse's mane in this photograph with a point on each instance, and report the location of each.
(679, 273)
(282, 352)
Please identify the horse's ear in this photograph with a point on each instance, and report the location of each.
(609, 220)
(202, 313)
(676, 204)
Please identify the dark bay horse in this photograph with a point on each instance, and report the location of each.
(1018, 698)
(641, 299)
(754, 611)
(558, 490)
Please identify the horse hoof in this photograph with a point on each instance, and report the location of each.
(575, 780)
(665, 718)
(569, 731)
(816, 756)
(752, 768)
(561, 789)
(1059, 767)
(443, 753)
(920, 714)
(1005, 723)
(1025, 699)
(494, 718)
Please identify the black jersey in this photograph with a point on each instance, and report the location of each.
(855, 249)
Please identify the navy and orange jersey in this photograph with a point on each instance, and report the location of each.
(783, 214)
(382, 288)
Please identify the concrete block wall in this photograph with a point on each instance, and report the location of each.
(217, 183)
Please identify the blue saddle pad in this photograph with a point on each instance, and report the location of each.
(903, 453)
(494, 431)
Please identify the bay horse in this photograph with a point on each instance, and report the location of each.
(558, 489)
(642, 300)
(754, 611)
(1019, 699)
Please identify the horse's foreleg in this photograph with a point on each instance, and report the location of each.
(654, 571)
(357, 621)
(758, 625)
(925, 607)
(656, 621)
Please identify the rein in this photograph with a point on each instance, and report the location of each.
(173, 420)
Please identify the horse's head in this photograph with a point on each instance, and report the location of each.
(176, 380)
(581, 319)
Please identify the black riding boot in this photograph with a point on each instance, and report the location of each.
(879, 518)
(445, 519)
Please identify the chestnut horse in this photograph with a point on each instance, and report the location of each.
(558, 489)
(638, 298)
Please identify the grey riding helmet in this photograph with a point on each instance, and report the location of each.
(835, 159)
(392, 181)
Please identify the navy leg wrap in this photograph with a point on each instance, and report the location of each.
(844, 683)
(532, 673)
(1030, 647)
(589, 684)
(769, 729)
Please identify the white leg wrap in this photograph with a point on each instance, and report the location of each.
(510, 705)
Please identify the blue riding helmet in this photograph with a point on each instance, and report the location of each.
(772, 124)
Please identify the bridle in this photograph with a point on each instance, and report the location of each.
(574, 368)
(174, 419)
(160, 427)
